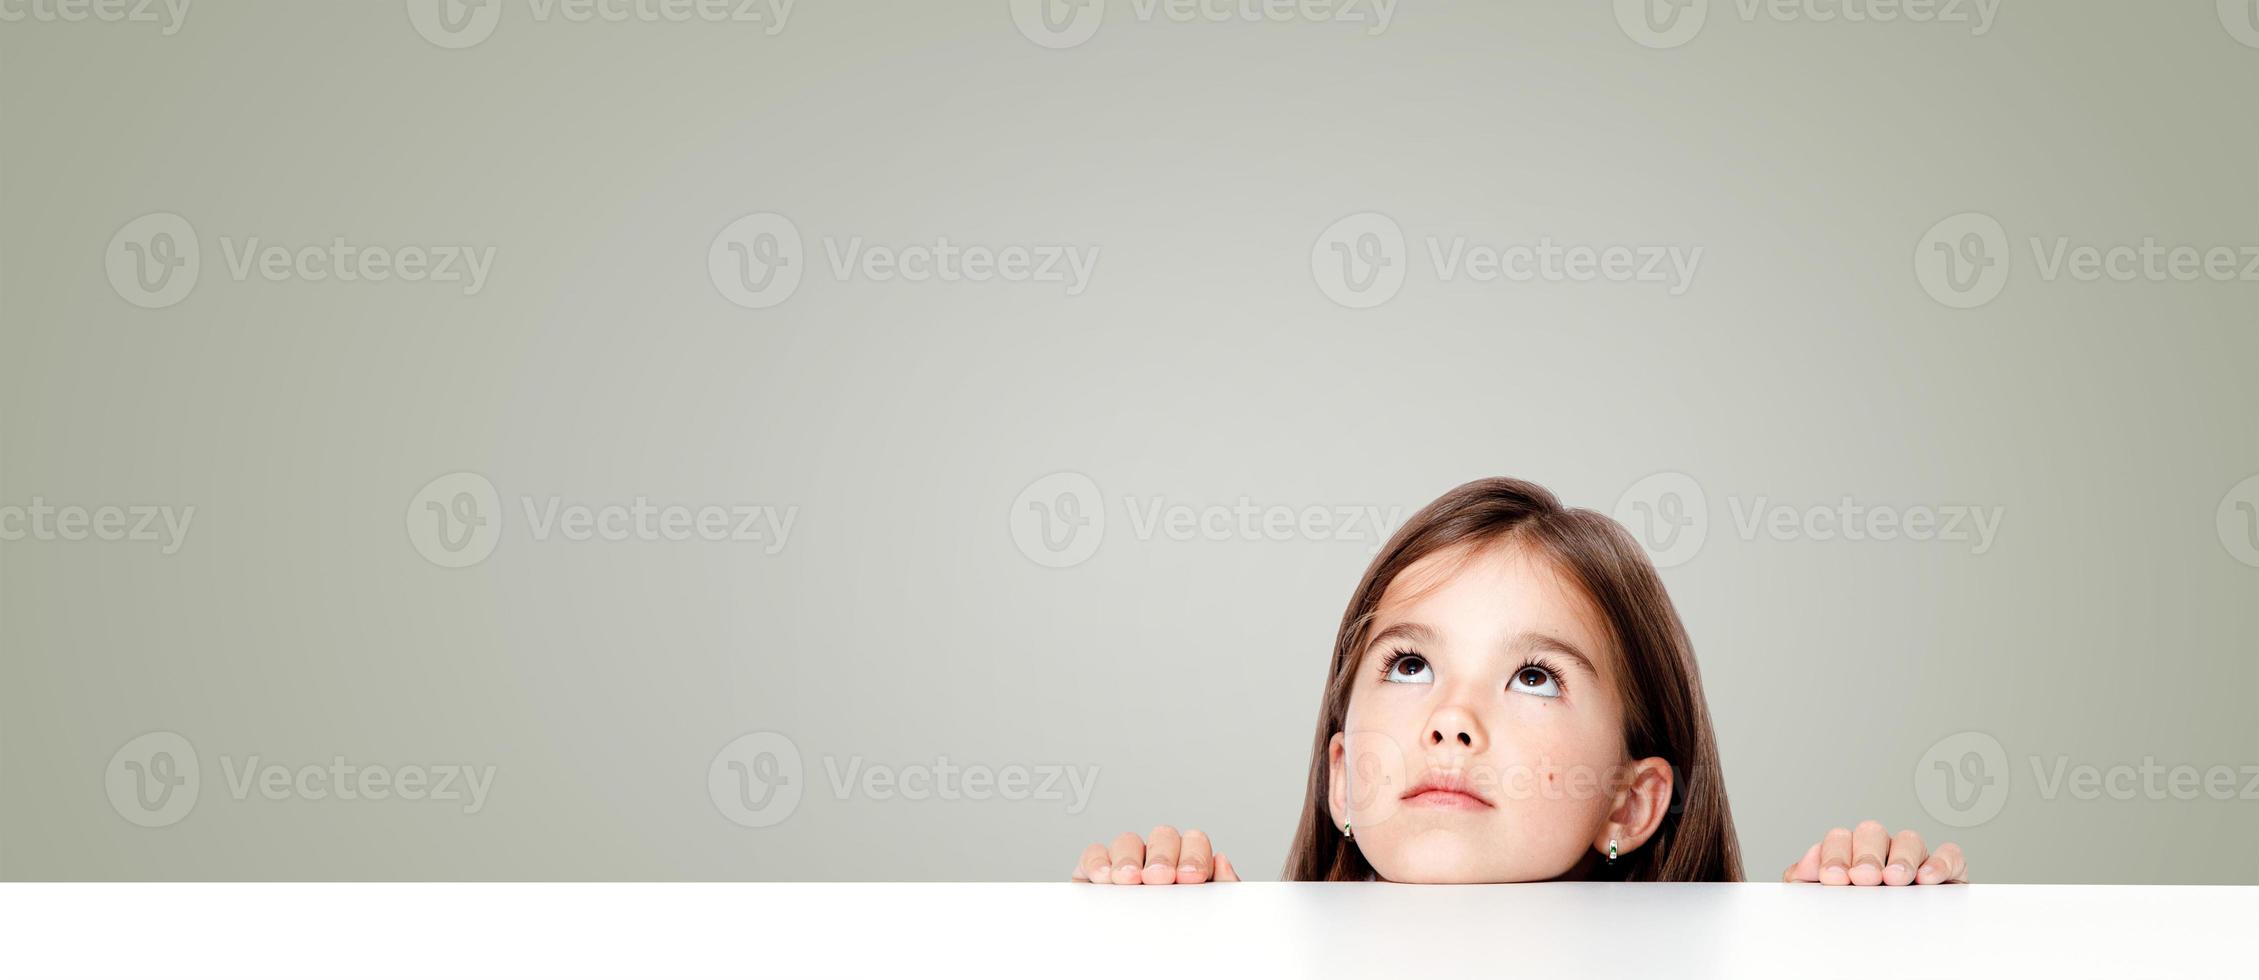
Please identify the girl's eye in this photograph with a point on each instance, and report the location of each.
(1408, 668)
(1536, 681)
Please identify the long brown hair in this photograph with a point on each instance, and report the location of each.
(1664, 713)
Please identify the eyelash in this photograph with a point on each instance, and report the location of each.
(1394, 657)
(1388, 663)
(1560, 680)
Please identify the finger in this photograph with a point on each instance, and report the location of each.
(1128, 855)
(1806, 868)
(1224, 870)
(1870, 843)
(1944, 867)
(1096, 866)
(1194, 862)
(1161, 856)
(1835, 857)
(1907, 852)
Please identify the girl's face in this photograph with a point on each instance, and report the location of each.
(1485, 733)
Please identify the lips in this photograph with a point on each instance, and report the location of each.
(1446, 791)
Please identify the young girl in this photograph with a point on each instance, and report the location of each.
(1513, 698)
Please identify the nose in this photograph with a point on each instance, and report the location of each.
(1454, 726)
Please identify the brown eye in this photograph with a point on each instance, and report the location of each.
(1406, 668)
(1536, 681)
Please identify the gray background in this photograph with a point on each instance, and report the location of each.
(2111, 619)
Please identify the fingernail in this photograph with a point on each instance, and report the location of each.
(1128, 871)
(1927, 875)
(1898, 873)
(1187, 871)
(1835, 874)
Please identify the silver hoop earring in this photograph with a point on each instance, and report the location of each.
(1611, 850)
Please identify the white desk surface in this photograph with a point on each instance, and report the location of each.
(1252, 929)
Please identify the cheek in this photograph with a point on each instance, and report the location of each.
(1377, 758)
(1551, 756)
(1553, 793)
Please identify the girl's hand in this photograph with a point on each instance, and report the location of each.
(1166, 858)
(1869, 855)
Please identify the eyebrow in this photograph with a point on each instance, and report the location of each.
(1523, 643)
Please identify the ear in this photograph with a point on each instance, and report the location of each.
(1639, 806)
(1337, 792)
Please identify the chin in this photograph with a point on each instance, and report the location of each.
(1441, 857)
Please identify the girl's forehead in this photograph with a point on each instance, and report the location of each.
(1504, 586)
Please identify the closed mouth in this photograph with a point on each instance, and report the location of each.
(1445, 791)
